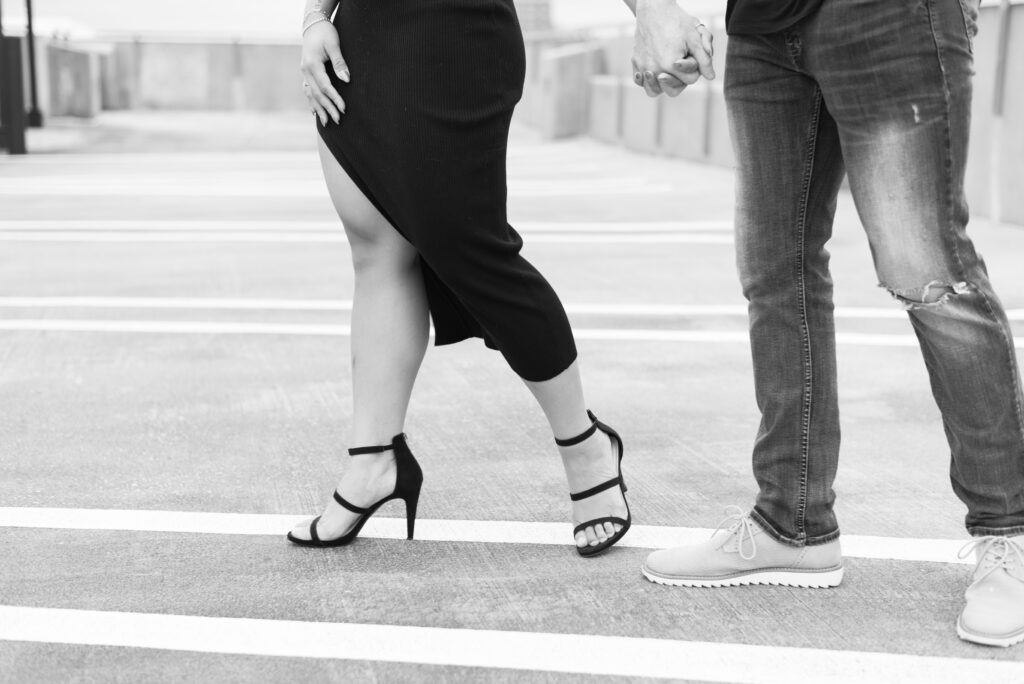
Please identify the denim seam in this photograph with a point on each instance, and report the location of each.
(948, 142)
(805, 332)
(1008, 341)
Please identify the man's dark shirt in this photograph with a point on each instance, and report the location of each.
(766, 16)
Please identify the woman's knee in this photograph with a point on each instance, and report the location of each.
(378, 247)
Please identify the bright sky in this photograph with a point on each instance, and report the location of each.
(258, 18)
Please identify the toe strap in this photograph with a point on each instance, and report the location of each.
(350, 506)
(614, 482)
(599, 521)
(312, 530)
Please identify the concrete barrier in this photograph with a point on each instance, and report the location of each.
(74, 81)
(996, 161)
(532, 105)
(684, 123)
(720, 151)
(270, 78)
(563, 108)
(605, 117)
(641, 121)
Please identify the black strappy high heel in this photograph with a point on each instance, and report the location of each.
(408, 481)
(614, 482)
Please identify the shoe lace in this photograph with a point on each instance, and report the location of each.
(739, 520)
(996, 553)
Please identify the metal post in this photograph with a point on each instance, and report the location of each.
(12, 97)
(3, 84)
(35, 117)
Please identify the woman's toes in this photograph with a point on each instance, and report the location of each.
(301, 531)
(581, 539)
(609, 529)
(592, 537)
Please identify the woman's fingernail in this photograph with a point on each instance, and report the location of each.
(344, 75)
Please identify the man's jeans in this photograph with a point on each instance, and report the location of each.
(881, 88)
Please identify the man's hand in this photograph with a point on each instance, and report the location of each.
(672, 50)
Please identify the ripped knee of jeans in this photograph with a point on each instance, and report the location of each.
(931, 296)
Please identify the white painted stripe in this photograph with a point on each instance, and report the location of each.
(678, 239)
(337, 238)
(571, 151)
(200, 303)
(177, 236)
(464, 531)
(272, 304)
(621, 226)
(202, 225)
(175, 185)
(229, 328)
(521, 651)
(178, 327)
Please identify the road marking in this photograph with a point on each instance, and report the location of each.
(175, 185)
(277, 304)
(463, 531)
(300, 329)
(522, 651)
(214, 303)
(338, 237)
(334, 226)
(176, 327)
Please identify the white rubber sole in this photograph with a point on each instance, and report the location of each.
(808, 579)
(989, 640)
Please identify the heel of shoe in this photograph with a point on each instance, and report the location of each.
(410, 514)
(409, 481)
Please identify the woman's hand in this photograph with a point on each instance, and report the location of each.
(320, 45)
(672, 49)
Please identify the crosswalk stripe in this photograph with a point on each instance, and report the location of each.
(172, 185)
(465, 531)
(330, 330)
(208, 225)
(521, 651)
(297, 237)
(280, 304)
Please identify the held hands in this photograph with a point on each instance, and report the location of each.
(672, 49)
(320, 45)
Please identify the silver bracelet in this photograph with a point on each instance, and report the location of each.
(318, 16)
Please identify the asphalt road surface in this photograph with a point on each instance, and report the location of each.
(174, 307)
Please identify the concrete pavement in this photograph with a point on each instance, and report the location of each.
(158, 393)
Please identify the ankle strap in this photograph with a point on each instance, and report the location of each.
(571, 441)
(359, 451)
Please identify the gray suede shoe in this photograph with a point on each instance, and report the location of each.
(994, 613)
(744, 554)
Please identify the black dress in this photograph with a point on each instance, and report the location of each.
(424, 136)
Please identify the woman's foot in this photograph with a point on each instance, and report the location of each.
(368, 478)
(594, 461)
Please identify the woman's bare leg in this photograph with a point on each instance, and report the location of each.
(390, 328)
(588, 463)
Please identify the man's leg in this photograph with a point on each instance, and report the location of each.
(899, 89)
(790, 170)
